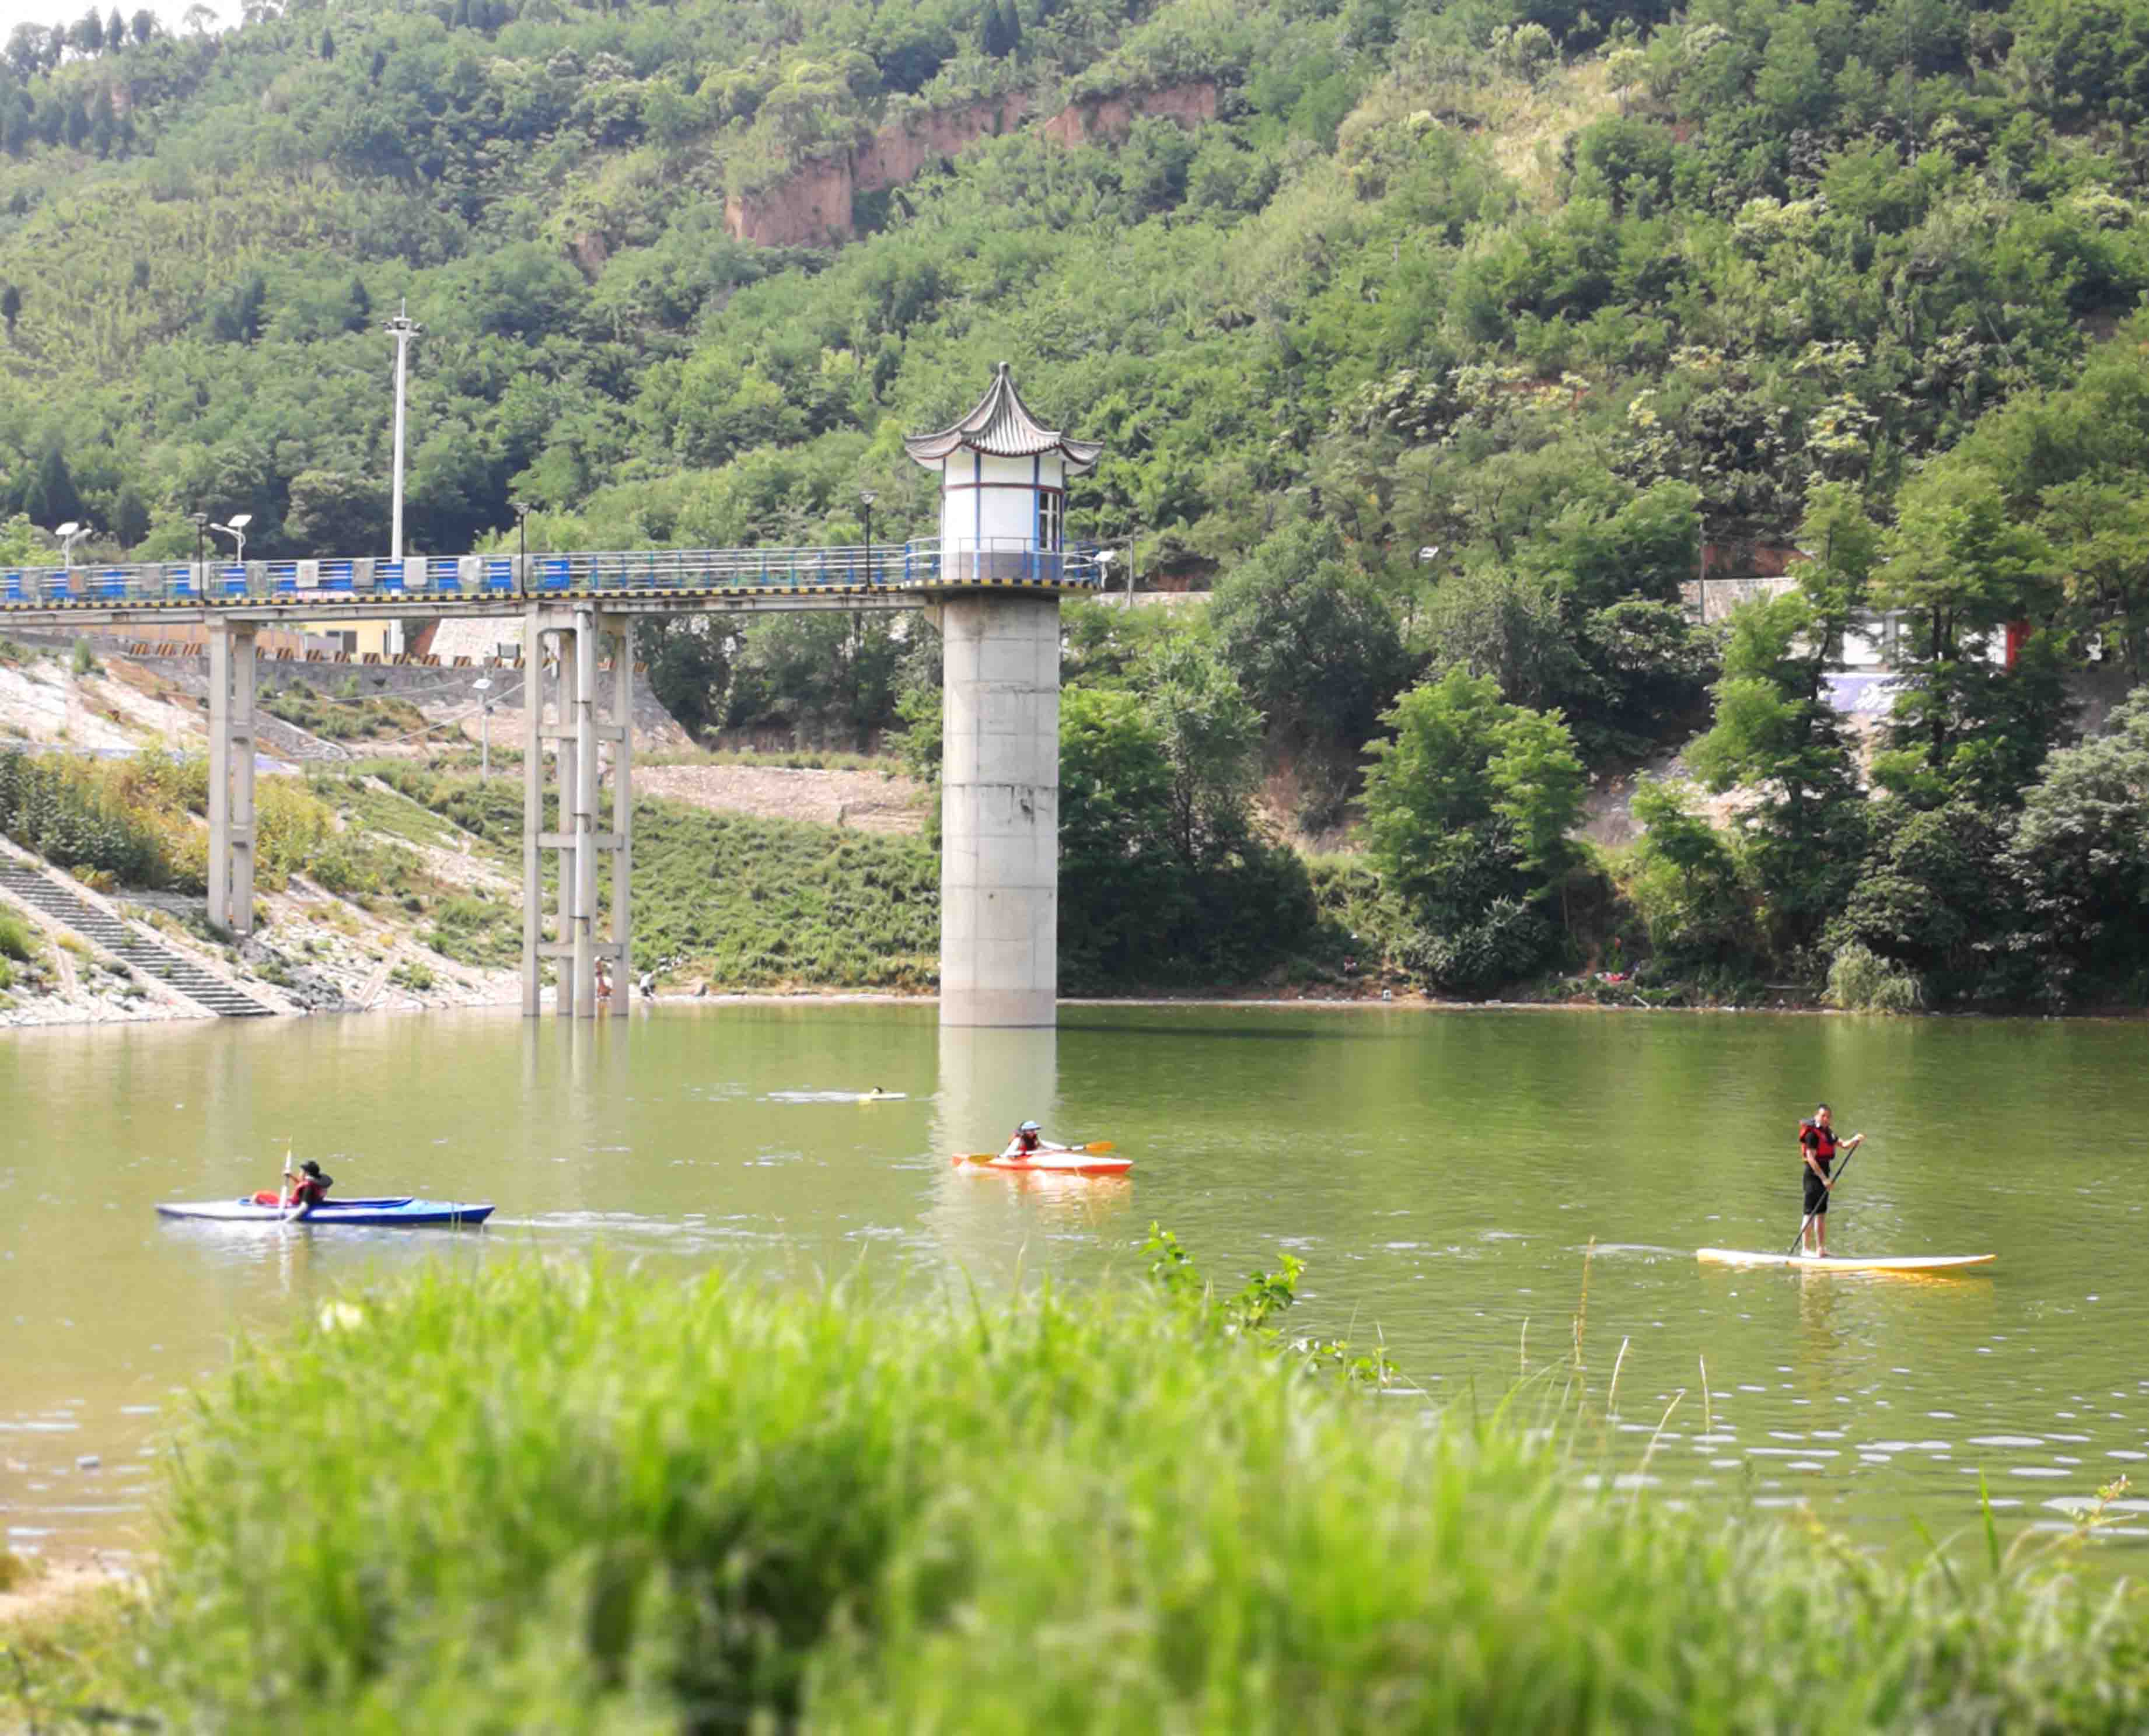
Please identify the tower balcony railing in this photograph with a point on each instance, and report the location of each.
(380, 585)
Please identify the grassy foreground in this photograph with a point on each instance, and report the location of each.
(550, 1498)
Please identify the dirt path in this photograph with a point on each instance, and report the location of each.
(869, 800)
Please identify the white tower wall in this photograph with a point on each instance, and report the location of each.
(988, 512)
(999, 810)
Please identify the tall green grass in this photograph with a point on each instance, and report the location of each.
(544, 1497)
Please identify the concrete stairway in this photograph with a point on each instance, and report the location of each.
(115, 936)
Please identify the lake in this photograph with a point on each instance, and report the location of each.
(1443, 1175)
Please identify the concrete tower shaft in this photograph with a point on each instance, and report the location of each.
(999, 810)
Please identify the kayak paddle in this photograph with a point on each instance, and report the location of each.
(1839, 1174)
(1095, 1148)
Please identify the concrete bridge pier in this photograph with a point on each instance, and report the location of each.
(999, 809)
(231, 682)
(564, 704)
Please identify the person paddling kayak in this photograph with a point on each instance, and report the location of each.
(1029, 1140)
(1818, 1146)
(302, 1191)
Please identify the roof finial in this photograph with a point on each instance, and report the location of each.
(1000, 368)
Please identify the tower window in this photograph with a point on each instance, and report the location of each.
(1051, 503)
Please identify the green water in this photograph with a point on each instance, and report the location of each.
(1442, 1176)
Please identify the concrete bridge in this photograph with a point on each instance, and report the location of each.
(991, 581)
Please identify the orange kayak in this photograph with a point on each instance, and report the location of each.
(1053, 1163)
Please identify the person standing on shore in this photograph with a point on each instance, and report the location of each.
(1818, 1146)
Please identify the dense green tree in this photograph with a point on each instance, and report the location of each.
(51, 499)
(1212, 740)
(1464, 768)
(1961, 563)
(333, 512)
(2080, 854)
(1311, 639)
(1928, 899)
(689, 659)
(130, 518)
(1468, 807)
(1777, 736)
(1687, 885)
(11, 306)
(1120, 888)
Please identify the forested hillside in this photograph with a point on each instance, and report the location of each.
(1442, 351)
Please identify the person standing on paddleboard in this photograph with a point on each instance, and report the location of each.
(1817, 1148)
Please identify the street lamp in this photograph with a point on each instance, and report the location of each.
(522, 509)
(68, 533)
(236, 530)
(483, 688)
(866, 498)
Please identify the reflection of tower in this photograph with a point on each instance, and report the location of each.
(991, 1080)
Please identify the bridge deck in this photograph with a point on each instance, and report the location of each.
(886, 577)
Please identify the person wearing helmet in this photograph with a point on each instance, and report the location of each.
(1029, 1140)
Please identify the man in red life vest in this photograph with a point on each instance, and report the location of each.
(1029, 1140)
(1817, 1148)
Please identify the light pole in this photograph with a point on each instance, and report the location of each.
(522, 509)
(70, 534)
(402, 329)
(483, 688)
(866, 498)
(236, 530)
(201, 549)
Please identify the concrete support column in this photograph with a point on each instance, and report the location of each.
(564, 741)
(231, 676)
(576, 732)
(533, 811)
(622, 813)
(582, 863)
(999, 810)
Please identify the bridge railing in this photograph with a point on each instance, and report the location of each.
(361, 584)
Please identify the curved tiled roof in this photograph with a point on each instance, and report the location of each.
(1001, 426)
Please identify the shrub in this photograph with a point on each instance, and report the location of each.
(597, 1501)
(15, 941)
(1861, 980)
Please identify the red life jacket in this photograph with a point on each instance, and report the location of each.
(1825, 1141)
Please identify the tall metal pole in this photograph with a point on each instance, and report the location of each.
(403, 329)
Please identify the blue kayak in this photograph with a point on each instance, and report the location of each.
(403, 1212)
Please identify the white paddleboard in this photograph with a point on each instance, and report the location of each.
(1899, 1262)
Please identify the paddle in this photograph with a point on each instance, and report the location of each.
(1843, 1169)
(1095, 1148)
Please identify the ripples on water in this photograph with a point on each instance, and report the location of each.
(1452, 1180)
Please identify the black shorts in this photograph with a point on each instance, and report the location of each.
(1816, 1194)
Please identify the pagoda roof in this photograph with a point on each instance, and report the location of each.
(1001, 426)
